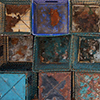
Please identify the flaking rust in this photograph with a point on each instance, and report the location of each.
(85, 18)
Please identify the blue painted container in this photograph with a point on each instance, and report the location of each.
(15, 17)
(85, 52)
(16, 86)
(52, 53)
(50, 17)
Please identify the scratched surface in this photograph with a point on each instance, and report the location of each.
(12, 87)
(54, 50)
(53, 87)
(87, 86)
(44, 18)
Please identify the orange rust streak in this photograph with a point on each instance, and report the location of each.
(20, 52)
(14, 40)
(54, 17)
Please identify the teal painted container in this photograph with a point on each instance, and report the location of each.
(52, 53)
(17, 86)
(86, 52)
(15, 17)
(84, 16)
(16, 53)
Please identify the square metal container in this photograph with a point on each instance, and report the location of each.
(52, 53)
(85, 16)
(16, 53)
(87, 86)
(53, 86)
(15, 17)
(16, 86)
(50, 17)
(86, 52)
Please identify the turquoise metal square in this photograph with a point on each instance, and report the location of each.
(15, 86)
(12, 86)
(87, 86)
(52, 53)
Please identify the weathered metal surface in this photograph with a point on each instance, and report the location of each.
(90, 57)
(87, 86)
(85, 16)
(1, 18)
(16, 2)
(20, 48)
(85, 1)
(89, 50)
(53, 86)
(12, 84)
(16, 53)
(52, 53)
(54, 50)
(85, 53)
(51, 17)
(15, 17)
(16, 85)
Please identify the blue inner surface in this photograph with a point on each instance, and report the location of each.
(12, 87)
(44, 19)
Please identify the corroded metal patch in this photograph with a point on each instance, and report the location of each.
(20, 48)
(54, 49)
(17, 18)
(87, 86)
(55, 86)
(85, 18)
(89, 50)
